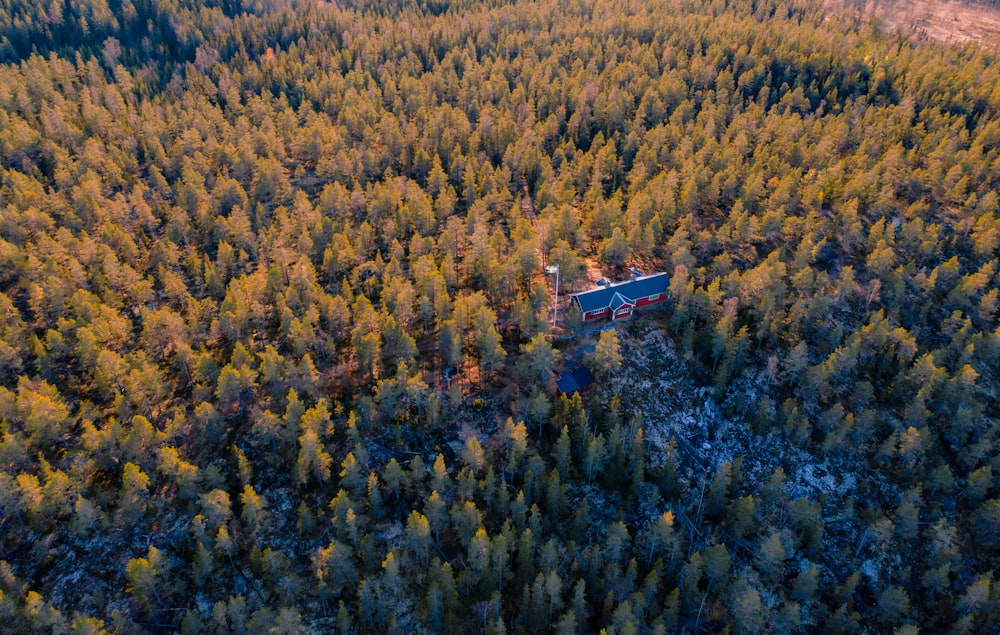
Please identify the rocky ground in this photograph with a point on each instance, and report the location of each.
(658, 380)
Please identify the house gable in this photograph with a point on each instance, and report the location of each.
(619, 301)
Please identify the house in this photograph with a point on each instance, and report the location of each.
(619, 299)
(572, 381)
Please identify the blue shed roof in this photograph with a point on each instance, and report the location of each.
(630, 290)
(572, 381)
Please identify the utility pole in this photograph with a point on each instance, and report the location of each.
(555, 305)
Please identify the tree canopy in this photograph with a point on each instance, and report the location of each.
(274, 324)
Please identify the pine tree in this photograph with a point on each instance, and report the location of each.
(561, 451)
(472, 454)
(748, 610)
(607, 355)
(395, 478)
(418, 532)
(440, 481)
(143, 577)
(661, 536)
(435, 509)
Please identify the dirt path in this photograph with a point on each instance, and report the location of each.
(593, 270)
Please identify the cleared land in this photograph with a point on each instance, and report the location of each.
(947, 22)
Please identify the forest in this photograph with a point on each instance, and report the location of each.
(276, 351)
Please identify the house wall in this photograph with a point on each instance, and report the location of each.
(653, 299)
(607, 313)
(582, 391)
(594, 315)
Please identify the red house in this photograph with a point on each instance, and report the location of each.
(619, 299)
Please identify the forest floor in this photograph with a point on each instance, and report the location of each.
(947, 21)
(657, 379)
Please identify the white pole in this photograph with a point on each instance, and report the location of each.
(555, 307)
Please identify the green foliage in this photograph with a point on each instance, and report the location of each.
(538, 359)
(607, 355)
(241, 241)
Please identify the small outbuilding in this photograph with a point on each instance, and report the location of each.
(578, 380)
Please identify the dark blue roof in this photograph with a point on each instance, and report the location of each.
(601, 297)
(574, 380)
